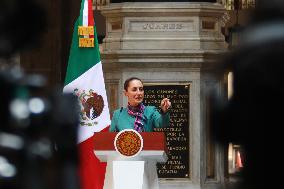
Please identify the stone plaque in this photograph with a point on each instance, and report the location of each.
(177, 134)
(164, 26)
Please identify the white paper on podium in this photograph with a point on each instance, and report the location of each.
(128, 174)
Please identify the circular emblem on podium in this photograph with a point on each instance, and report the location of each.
(128, 142)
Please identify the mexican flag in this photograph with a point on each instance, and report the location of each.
(84, 78)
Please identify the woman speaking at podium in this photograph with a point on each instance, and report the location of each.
(136, 115)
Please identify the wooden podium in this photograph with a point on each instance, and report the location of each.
(138, 172)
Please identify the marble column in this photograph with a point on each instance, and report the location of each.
(170, 42)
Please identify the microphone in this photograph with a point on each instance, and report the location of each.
(116, 129)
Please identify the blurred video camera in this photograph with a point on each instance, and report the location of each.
(38, 131)
(38, 127)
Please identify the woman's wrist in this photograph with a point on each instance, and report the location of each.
(164, 111)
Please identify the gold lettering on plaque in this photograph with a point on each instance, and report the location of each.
(177, 135)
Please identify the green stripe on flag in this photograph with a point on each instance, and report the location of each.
(80, 18)
(81, 59)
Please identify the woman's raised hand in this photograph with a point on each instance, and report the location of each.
(165, 105)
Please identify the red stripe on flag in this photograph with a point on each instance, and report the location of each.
(106, 129)
(92, 171)
(90, 13)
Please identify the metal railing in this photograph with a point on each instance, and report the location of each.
(238, 4)
(97, 4)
